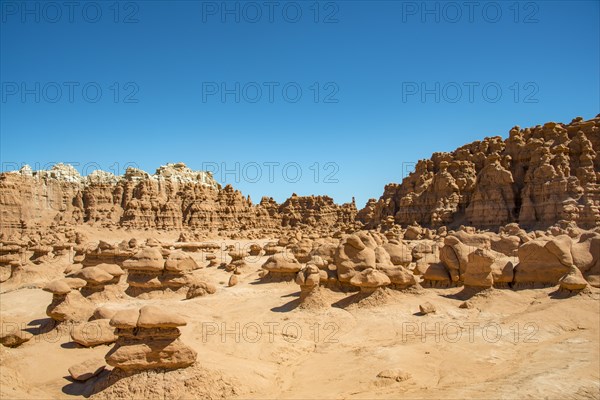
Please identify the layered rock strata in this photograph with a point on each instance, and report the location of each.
(536, 177)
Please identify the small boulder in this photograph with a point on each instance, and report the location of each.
(573, 281)
(427, 308)
(233, 280)
(198, 289)
(466, 304)
(14, 339)
(370, 279)
(87, 369)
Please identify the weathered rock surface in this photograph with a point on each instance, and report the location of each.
(542, 262)
(573, 281)
(282, 264)
(148, 338)
(13, 337)
(536, 177)
(94, 333)
(427, 308)
(356, 253)
(87, 369)
(68, 304)
(369, 280)
(174, 197)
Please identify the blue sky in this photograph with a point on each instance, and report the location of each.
(382, 84)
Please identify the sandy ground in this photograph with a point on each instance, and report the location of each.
(510, 344)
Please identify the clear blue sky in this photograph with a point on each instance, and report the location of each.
(369, 56)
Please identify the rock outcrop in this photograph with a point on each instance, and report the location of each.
(94, 333)
(148, 338)
(101, 281)
(370, 280)
(282, 266)
(87, 369)
(536, 177)
(355, 254)
(175, 197)
(68, 304)
(149, 272)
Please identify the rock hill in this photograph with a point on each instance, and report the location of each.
(536, 177)
(175, 197)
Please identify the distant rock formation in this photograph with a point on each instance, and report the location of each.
(175, 197)
(536, 177)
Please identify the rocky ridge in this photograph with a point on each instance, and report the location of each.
(175, 197)
(536, 177)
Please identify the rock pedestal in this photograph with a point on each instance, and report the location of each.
(148, 338)
(68, 304)
(148, 272)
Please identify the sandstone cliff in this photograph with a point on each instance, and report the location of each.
(175, 197)
(536, 177)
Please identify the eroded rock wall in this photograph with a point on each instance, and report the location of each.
(536, 177)
(175, 197)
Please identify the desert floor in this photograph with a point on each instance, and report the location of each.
(509, 344)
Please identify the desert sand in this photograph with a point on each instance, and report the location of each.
(531, 343)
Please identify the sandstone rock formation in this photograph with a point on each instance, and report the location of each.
(94, 333)
(309, 278)
(68, 304)
(198, 289)
(175, 197)
(106, 253)
(356, 253)
(282, 266)
(101, 280)
(400, 277)
(12, 255)
(573, 281)
(149, 272)
(469, 258)
(543, 261)
(370, 280)
(148, 338)
(87, 369)
(237, 261)
(536, 177)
